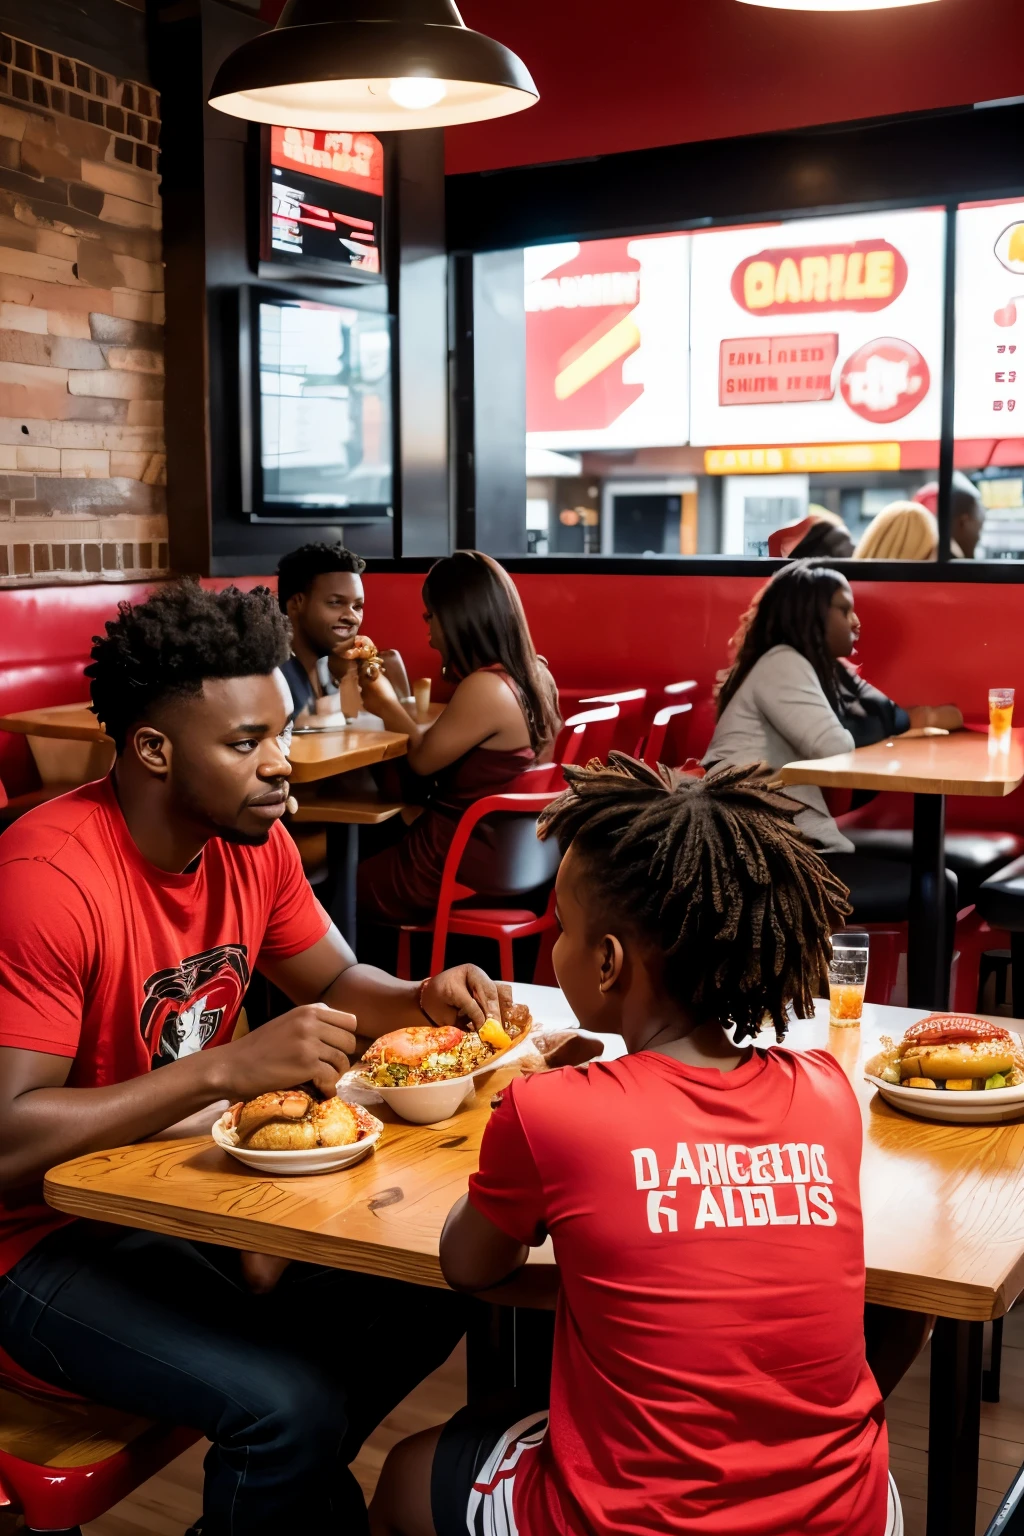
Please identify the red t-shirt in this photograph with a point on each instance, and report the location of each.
(709, 1371)
(122, 966)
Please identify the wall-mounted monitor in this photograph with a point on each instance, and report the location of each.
(322, 205)
(320, 444)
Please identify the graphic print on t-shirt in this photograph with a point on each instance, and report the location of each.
(184, 1005)
(774, 1185)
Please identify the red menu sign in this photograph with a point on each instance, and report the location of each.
(349, 159)
(762, 370)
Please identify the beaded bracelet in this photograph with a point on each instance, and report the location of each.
(423, 987)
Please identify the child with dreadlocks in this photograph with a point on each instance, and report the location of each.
(701, 1195)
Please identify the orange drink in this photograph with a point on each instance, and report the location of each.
(1000, 716)
(847, 979)
(845, 1004)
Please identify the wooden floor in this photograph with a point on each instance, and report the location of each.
(167, 1504)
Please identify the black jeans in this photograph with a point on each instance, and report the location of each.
(286, 1386)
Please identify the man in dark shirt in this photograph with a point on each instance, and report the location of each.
(320, 590)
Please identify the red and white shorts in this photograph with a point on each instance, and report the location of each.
(489, 1510)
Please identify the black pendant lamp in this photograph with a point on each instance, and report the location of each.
(375, 65)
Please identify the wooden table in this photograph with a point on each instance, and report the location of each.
(929, 768)
(321, 754)
(943, 1214)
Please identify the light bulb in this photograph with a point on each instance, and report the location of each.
(416, 91)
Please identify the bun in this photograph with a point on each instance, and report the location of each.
(292, 1121)
(972, 1059)
(956, 1046)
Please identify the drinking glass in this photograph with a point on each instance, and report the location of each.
(847, 979)
(1000, 718)
(421, 693)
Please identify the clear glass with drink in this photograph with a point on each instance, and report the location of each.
(421, 693)
(1000, 718)
(847, 979)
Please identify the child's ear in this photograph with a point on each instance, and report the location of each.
(612, 959)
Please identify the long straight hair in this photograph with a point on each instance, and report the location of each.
(483, 623)
(792, 609)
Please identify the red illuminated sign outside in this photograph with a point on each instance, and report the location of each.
(579, 331)
(771, 370)
(348, 159)
(885, 379)
(803, 280)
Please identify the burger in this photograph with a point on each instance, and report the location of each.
(292, 1120)
(956, 1052)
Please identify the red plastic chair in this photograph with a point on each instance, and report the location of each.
(633, 717)
(54, 1497)
(502, 924)
(654, 746)
(589, 734)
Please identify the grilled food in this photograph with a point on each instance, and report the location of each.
(956, 1052)
(291, 1120)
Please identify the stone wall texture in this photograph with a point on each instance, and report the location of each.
(82, 465)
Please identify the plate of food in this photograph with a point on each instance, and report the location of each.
(425, 1071)
(294, 1131)
(952, 1067)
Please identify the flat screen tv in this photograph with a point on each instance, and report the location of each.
(322, 205)
(322, 439)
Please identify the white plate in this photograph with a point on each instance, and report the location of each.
(973, 1107)
(428, 1103)
(311, 1160)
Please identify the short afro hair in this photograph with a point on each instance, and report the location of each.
(297, 571)
(171, 643)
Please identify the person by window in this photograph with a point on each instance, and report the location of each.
(788, 695)
(968, 513)
(502, 717)
(133, 913)
(320, 588)
(820, 533)
(701, 1195)
(904, 530)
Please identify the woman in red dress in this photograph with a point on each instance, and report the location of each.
(502, 717)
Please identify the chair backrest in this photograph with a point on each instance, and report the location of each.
(507, 858)
(588, 734)
(654, 746)
(634, 718)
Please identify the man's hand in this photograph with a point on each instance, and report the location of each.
(463, 993)
(311, 1044)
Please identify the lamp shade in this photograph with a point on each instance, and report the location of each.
(374, 65)
(835, 5)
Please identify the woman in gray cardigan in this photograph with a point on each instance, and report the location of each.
(788, 696)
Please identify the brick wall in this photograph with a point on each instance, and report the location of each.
(82, 466)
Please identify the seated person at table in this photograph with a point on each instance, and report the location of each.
(319, 587)
(133, 912)
(968, 513)
(788, 696)
(901, 531)
(502, 717)
(701, 1196)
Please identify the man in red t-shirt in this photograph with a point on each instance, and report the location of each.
(133, 913)
(701, 1196)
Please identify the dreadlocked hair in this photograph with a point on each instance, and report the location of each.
(174, 641)
(791, 609)
(713, 874)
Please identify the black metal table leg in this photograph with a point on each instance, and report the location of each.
(509, 1349)
(954, 1422)
(342, 864)
(927, 956)
(990, 1376)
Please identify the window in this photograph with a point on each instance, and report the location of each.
(701, 392)
(989, 388)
